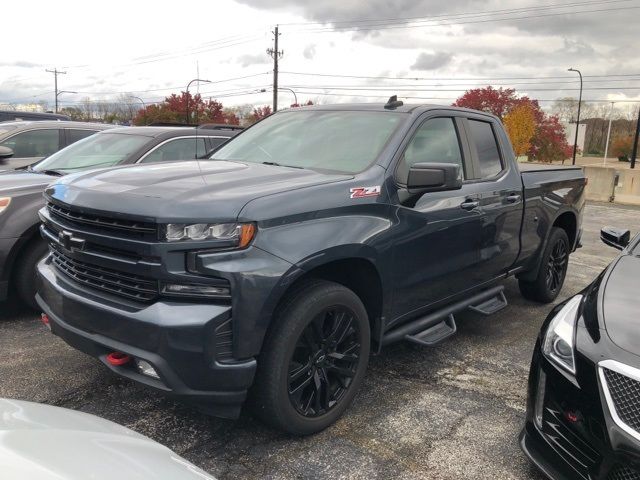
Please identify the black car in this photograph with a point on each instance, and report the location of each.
(21, 190)
(26, 143)
(317, 234)
(583, 415)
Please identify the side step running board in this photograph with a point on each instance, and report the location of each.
(436, 334)
(490, 305)
(420, 326)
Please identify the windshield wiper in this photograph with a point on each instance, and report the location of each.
(280, 165)
(56, 173)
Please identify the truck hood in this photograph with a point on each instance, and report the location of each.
(620, 304)
(19, 181)
(50, 443)
(185, 191)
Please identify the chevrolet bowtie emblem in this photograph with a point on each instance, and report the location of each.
(69, 242)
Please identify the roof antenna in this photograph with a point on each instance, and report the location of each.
(393, 103)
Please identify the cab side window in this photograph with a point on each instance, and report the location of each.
(75, 134)
(34, 143)
(435, 141)
(179, 149)
(486, 147)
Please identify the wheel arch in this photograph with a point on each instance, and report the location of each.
(359, 273)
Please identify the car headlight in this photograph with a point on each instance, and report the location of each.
(237, 235)
(4, 203)
(558, 345)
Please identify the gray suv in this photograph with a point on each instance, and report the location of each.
(21, 246)
(25, 143)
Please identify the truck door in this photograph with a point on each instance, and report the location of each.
(497, 186)
(438, 240)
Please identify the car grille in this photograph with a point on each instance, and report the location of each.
(623, 394)
(623, 473)
(117, 283)
(102, 222)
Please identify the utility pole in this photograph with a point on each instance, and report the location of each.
(56, 72)
(575, 141)
(634, 153)
(275, 54)
(606, 147)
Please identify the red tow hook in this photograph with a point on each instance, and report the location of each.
(118, 359)
(44, 318)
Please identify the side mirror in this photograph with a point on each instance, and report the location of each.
(434, 177)
(5, 152)
(615, 237)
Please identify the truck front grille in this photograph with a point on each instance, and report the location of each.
(79, 219)
(122, 284)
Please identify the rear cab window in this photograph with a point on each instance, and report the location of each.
(75, 134)
(489, 161)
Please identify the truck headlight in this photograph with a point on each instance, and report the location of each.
(558, 345)
(238, 235)
(4, 203)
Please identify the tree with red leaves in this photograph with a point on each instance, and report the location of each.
(548, 143)
(174, 110)
(258, 114)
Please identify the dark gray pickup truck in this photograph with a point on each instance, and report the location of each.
(318, 236)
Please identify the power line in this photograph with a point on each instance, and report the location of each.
(481, 79)
(450, 15)
(455, 22)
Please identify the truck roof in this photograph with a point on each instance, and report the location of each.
(380, 107)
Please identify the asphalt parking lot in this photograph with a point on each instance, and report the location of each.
(448, 412)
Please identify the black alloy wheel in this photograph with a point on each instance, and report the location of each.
(324, 362)
(314, 358)
(557, 265)
(549, 279)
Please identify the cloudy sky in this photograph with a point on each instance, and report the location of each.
(334, 50)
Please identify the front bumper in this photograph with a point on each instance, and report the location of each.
(577, 439)
(177, 338)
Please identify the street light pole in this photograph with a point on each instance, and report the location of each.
(575, 141)
(606, 147)
(188, 85)
(263, 90)
(138, 98)
(58, 93)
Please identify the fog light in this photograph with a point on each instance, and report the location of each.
(198, 290)
(145, 368)
(539, 406)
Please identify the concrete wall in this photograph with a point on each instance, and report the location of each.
(601, 184)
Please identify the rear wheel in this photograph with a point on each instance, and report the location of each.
(25, 276)
(314, 359)
(553, 270)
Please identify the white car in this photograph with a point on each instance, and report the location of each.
(41, 442)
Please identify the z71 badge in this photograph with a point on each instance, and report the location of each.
(361, 192)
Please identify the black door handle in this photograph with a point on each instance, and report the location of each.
(469, 204)
(513, 198)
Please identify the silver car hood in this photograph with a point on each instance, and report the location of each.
(40, 442)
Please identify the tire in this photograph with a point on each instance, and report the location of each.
(553, 269)
(25, 277)
(314, 358)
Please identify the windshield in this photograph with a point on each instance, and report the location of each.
(340, 141)
(100, 150)
(6, 128)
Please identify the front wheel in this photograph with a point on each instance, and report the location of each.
(314, 358)
(553, 269)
